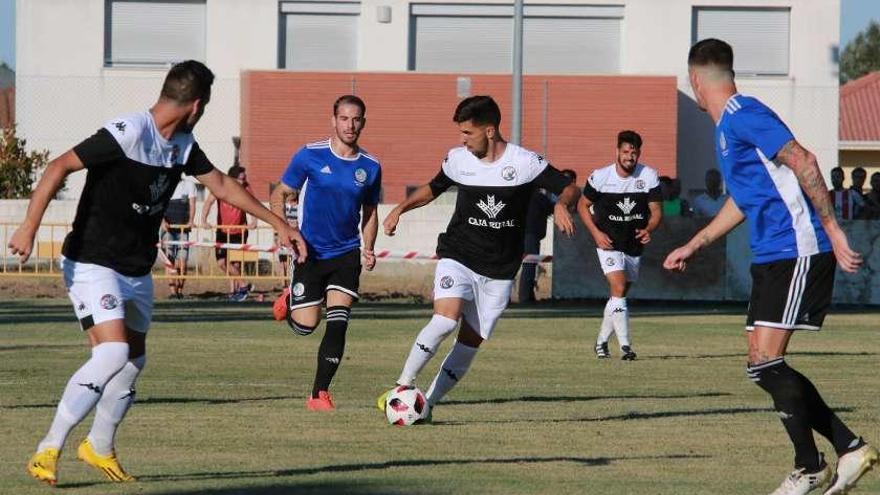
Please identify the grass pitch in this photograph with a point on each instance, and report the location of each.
(220, 407)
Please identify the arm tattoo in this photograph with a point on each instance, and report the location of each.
(805, 167)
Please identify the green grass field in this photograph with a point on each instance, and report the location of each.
(221, 405)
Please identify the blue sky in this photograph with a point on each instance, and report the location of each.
(7, 32)
(854, 17)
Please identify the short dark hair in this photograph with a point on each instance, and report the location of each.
(860, 170)
(350, 100)
(479, 109)
(630, 137)
(235, 171)
(712, 51)
(187, 82)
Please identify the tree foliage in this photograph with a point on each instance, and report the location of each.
(861, 55)
(18, 168)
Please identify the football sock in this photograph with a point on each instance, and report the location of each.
(117, 398)
(332, 348)
(620, 319)
(824, 421)
(790, 398)
(607, 327)
(425, 346)
(84, 389)
(453, 369)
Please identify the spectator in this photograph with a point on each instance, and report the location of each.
(673, 205)
(847, 203)
(872, 199)
(232, 227)
(858, 177)
(176, 226)
(540, 208)
(708, 203)
(290, 213)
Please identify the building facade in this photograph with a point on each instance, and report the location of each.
(81, 62)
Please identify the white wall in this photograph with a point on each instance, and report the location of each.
(64, 92)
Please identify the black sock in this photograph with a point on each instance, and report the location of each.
(332, 347)
(791, 400)
(824, 421)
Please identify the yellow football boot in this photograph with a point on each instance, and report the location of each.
(43, 466)
(107, 464)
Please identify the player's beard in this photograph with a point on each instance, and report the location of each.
(627, 168)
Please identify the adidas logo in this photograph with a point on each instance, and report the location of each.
(326, 170)
(334, 360)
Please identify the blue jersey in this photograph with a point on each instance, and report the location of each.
(782, 221)
(332, 191)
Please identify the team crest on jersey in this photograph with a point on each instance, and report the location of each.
(640, 184)
(109, 301)
(298, 289)
(446, 282)
(490, 207)
(360, 175)
(609, 261)
(508, 173)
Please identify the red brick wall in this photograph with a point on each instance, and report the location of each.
(410, 128)
(7, 107)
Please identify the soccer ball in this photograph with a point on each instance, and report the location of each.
(405, 405)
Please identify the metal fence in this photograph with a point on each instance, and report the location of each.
(200, 255)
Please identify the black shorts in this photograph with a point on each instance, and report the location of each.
(227, 238)
(315, 277)
(792, 294)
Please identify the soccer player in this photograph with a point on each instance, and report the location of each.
(134, 163)
(338, 186)
(776, 185)
(626, 207)
(482, 248)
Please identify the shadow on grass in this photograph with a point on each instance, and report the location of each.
(211, 310)
(379, 466)
(631, 416)
(743, 355)
(583, 398)
(150, 401)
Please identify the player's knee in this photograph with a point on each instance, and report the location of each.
(300, 328)
(111, 355)
(468, 336)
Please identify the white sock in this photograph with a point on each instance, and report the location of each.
(620, 319)
(84, 389)
(425, 346)
(117, 398)
(607, 327)
(453, 369)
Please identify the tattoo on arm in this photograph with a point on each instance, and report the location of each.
(805, 167)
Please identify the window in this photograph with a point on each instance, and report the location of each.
(557, 39)
(759, 36)
(145, 32)
(318, 35)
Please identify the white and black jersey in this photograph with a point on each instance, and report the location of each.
(620, 204)
(487, 229)
(131, 173)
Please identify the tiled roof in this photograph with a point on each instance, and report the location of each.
(860, 109)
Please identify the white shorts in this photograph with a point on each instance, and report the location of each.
(485, 298)
(101, 294)
(615, 261)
